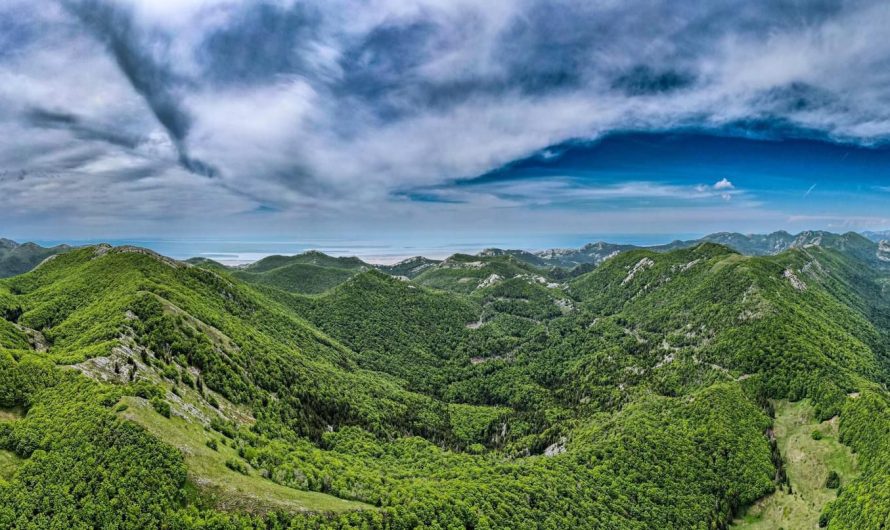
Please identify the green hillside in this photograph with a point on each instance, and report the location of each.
(409, 268)
(811, 451)
(208, 263)
(18, 258)
(310, 273)
(865, 247)
(313, 257)
(463, 273)
(651, 392)
(770, 244)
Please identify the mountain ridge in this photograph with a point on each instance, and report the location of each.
(385, 403)
(18, 258)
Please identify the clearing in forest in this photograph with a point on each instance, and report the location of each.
(809, 458)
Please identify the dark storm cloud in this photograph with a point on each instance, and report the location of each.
(262, 42)
(49, 119)
(643, 80)
(154, 80)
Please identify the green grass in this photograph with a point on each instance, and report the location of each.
(10, 414)
(9, 463)
(227, 489)
(807, 464)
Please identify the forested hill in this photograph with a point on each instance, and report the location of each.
(875, 251)
(479, 392)
(16, 258)
(310, 272)
(314, 272)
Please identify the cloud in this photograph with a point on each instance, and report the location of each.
(723, 184)
(80, 128)
(333, 107)
(573, 193)
(144, 67)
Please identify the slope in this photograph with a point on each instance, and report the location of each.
(463, 273)
(310, 273)
(769, 319)
(99, 301)
(409, 268)
(393, 326)
(811, 451)
(18, 258)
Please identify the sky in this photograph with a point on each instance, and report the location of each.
(373, 125)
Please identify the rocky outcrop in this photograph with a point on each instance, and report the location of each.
(641, 265)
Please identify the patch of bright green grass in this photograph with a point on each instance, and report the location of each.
(225, 488)
(9, 463)
(807, 464)
(10, 414)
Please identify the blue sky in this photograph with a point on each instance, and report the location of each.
(835, 183)
(441, 123)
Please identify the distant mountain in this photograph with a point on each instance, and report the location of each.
(312, 257)
(16, 258)
(878, 236)
(410, 267)
(312, 272)
(593, 254)
(850, 243)
(776, 242)
(521, 255)
(315, 272)
(207, 263)
(464, 273)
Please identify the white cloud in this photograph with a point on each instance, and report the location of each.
(343, 102)
(723, 184)
(579, 193)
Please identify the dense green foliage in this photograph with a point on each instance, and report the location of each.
(485, 393)
(462, 273)
(84, 468)
(298, 278)
(393, 326)
(865, 502)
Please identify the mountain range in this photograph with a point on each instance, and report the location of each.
(320, 271)
(684, 386)
(314, 272)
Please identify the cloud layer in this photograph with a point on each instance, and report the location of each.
(137, 113)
